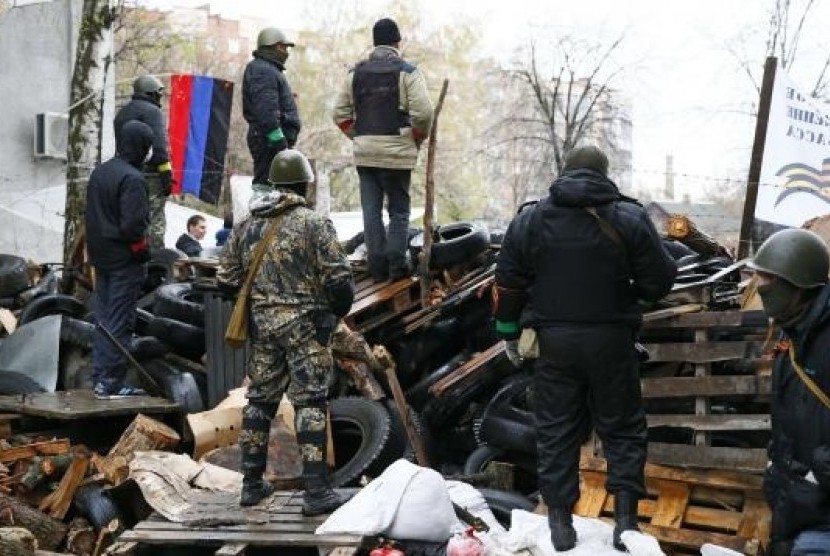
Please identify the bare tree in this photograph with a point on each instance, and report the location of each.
(86, 102)
(788, 20)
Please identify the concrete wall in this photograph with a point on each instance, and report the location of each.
(37, 44)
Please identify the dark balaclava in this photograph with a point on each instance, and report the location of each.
(385, 32)
(590, 158)
(784, 302)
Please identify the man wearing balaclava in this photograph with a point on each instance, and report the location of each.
(268, 103)
(791, 271)
(384, 107)
(572, 268)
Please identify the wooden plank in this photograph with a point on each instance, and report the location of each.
(81, 404)
(725, 479)
(475, 363)
(750, 422)
(47, 448)
(164, 527)
(592, 494)
(698, 516)
(683, 455)
(706, 319)
(232, 549)
(671, 504)
(686, 387)
(122, 548)
(700, 352)
(389, 291)
(656, 318)
(689, 538)
(213, 537)
(756, 519)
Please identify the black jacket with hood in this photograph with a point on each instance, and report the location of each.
(117, 206)
(145, 109)
(574, 271)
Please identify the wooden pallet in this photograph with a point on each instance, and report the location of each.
(377, 303)
(286, 527)
(686, 508)
(748, 380)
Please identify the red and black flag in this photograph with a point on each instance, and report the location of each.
(200, 115)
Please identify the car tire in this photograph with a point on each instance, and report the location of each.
(361, 431)
(12, 383)
(399, 440)
(185, 339)
(178, 386)
(14, 275)
(180, 302)
(503, 502)
(51, 304)
(458, 243)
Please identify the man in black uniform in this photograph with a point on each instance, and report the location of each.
(268, 104)
(791, 267)
(573, 267)
(117, 218)
(145, 106)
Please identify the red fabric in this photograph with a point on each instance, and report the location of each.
(178, 128)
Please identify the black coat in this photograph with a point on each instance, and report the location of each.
(144, 109)
(188, 245)
(573, 270)
(267, 100)
(117, 206)
(801, 428)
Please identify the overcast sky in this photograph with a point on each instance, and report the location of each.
(687, 92)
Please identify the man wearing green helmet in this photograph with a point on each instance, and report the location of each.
(791, 269)
(268, 103)
(301, 288)
(145, 106)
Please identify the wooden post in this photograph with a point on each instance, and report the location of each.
(757, 156)
(429, 198)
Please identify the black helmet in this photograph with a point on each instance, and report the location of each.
(145, 84)
(798, 256)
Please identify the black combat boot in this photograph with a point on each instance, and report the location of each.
(625, 516)
(311, 425)
(256, 424)
(562, 532)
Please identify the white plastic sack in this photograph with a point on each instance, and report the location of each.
(715, 550)
(405, 502)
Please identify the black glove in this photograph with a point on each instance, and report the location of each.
(324, 323)
(780, 548)
(166, 179)
(140, 250)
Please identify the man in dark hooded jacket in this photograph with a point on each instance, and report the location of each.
(268, 104)
(117, 217)
(791, 268)
(573, 267)
(145, 106)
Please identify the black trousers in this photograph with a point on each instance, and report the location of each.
(588, 375)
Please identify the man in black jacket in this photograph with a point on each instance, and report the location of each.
(189, 242)
(573, 267)
(791, 269)
(145, 106)
(268, 104)
(117, 217)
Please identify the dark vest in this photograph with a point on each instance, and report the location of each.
(376, 92)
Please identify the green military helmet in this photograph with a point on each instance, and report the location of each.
(147, 84)
(290, 167)
(272, 35)
(798, 256)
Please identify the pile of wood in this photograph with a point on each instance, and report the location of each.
(40, 476)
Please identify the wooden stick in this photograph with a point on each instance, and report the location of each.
(429, 200)
(48, 448)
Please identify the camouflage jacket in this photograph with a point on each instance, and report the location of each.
(304, 258)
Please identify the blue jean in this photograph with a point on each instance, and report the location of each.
(386, 250)
(116, 299)
(812, 543)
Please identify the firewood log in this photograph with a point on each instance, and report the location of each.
(48, 531)
(143, 434)
(17, 541)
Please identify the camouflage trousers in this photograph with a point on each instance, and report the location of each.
(294, 363)
(158, 221)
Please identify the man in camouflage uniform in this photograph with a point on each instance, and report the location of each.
(145, 106)
(302, 287)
